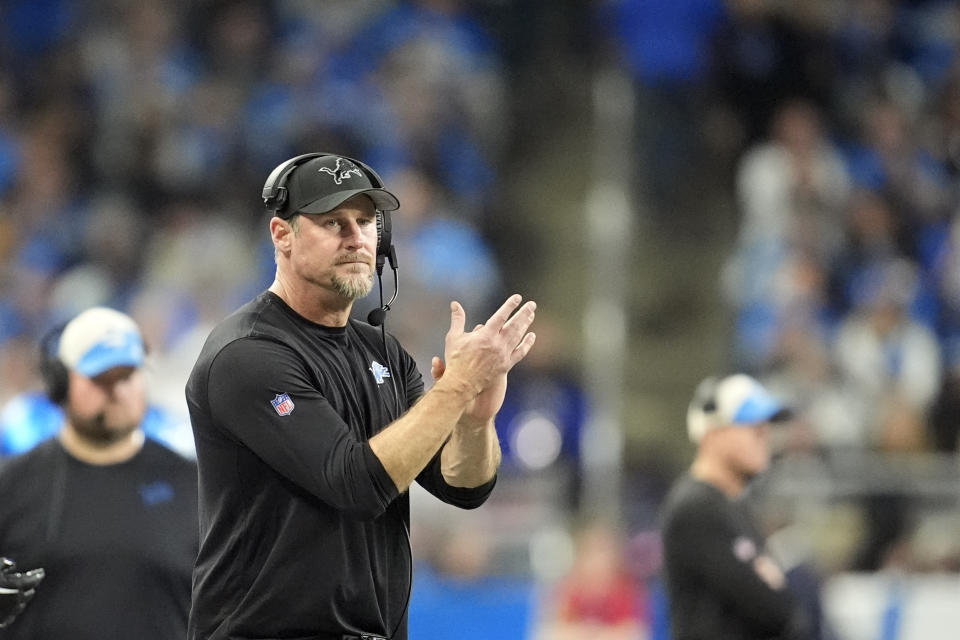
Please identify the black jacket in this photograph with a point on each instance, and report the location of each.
(117, 542)
(303, 534)
(710, 545)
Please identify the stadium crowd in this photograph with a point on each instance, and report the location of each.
(135, 137)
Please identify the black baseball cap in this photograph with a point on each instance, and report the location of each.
(324, 183)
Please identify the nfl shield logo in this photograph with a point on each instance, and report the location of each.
(283, 404)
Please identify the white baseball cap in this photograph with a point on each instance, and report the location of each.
(100, 339)
(735, 401)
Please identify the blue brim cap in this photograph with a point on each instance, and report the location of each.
(125, 350)
(742, 401)
(758, 407)
(100, 339)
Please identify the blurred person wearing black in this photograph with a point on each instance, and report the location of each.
(16, 590)
(110, 515)
(311, 425)
(722, 583)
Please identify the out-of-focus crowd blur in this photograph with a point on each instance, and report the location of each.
(135, 138)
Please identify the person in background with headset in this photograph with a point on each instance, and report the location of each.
(310, 425)
(110, 515)
(721, 582)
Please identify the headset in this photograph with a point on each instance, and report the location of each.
(706, 394)
(53, 372)
(701, 409)
(275, 198)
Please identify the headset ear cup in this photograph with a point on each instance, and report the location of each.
(707, 394)
(56, 378)
(53, 373)
(280, 200)
(384, 233)
(701, 410)
(274, 192)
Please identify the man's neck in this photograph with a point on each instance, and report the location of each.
(708, 470)
(316, 305)
(100, 454)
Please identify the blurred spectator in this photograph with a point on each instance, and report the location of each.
(791, 187)
(791, 190)
(887, 157)
(598, 599)
(890, 362)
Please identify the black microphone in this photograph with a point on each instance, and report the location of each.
(378, 315)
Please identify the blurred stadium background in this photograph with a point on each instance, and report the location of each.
(685, 186)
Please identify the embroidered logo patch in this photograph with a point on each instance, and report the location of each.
(156, 493)
(283, 404)
(342, 173)
(379, 371)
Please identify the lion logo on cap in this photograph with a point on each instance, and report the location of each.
(342, 173)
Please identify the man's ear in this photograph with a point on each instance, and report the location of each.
(281, 232)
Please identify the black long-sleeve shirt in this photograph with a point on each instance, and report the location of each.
(710, 545)
(117, 543)
(303, 533)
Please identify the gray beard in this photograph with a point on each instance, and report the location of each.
(353, 288)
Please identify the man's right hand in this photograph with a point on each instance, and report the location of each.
(16, 590)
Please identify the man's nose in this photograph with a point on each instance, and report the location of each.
(353, 233)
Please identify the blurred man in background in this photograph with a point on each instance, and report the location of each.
(722, 583)
(110, 515)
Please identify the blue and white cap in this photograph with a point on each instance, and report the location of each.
(735, 401)
(99, 339)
